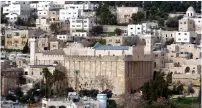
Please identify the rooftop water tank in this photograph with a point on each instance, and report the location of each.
(102, 98)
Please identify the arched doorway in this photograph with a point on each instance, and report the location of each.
(62, 106)
(52, 107)
(187, 69)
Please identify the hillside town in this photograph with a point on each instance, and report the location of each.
(101, 54)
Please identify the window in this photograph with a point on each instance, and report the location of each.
(73, 25)
(138, 28)
(184, 22)
(131, 28)
(185, 33)
(179, 38)
(54, 45)
(199, 21)
(179, 33)
(185, 39)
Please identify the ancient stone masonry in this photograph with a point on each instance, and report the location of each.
(96, 72)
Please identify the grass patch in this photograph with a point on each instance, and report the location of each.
(187, 102)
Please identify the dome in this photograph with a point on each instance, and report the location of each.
(191, 9)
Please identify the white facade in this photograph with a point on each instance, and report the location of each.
(80, 34)
(21, 8)
(184, 37)
(66, 14)
(84, 6)
(12, 17)
(80, 27)
(134, 29)
(65, 37)
(46, 5)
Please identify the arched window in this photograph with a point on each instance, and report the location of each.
(62, 106)
(193, 72)
(187, 69)
(26, 73)
(52, 107)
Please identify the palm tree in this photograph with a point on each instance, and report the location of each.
(48, 77)
(58, 76)
(76, 72)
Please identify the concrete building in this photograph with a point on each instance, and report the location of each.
(124, 14)
(66, 14)
(83, 6)
(168, 35)
(185, 37)
(191, 21)
(16, 39)
(46, 5)
(9, 79)
(19, 9)
(80, 27)
(144, 28)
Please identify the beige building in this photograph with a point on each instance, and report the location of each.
(16, 39)
(124, 14)
(183, 60)
(122, 73)
(9, 79)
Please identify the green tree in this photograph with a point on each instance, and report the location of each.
(105, 17)
(169, 77)
(161, 22)
(138, 17)
(118, 31)
(55, 27)
(180, 88)
(156, 88)
(49, 79)
(26, 49)
(58, 76)
(96, 30)
(172, 22)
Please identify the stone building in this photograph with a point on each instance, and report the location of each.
(16, 39)
(121, 73)
(124, 14)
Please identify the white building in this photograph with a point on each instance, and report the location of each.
(66, 14)
(185, 37)
(46, 5)
(134, 29)
(191, 21)
(83, 6)
(124, 14)
(20, 8)
(80, 27)
(65, 37)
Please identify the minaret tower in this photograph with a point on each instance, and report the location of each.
(33, 47)
(148, 49)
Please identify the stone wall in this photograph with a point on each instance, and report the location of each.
(106, 72)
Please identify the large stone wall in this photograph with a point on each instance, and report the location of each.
(106, 72)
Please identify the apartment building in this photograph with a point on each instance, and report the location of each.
(84, 6)
(17, 9)
(16, 39)
(66, 14)
(46, 5)
(136, 29)
(191, 21)
(167, 35)
(185, 37)
(80, 27)
(124, 14)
